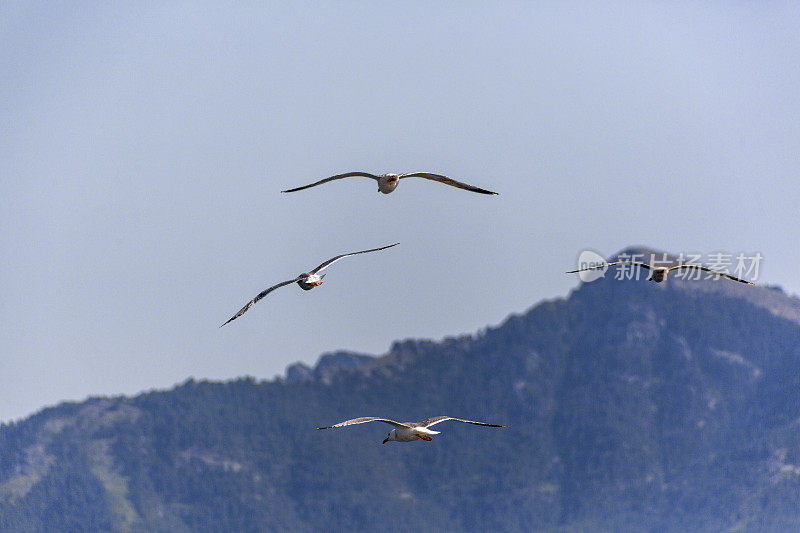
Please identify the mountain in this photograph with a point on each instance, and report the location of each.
(630, 406)
(327, 367)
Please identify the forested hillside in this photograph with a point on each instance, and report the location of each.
(669, 407)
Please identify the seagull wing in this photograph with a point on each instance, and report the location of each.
(603, 265)
(446, 181)
(336, 177)
(331, 261)
(364, 420)
(706, 269)
(261, 294)
(428, 422)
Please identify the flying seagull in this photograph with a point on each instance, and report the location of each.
(659, 274)
(388, 182)
(408, 431)
(306, 280)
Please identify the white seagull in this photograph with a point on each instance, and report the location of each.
(408, 431)
(388, 182)
(659, 274)
(306, 280)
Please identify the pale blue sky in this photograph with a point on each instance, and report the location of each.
(144, 147)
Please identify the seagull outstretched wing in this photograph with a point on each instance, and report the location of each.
(447, 181)
(332, 260)
(364, 420)
(261, 294)
(706, 269)
(428, 422)
(336, 177)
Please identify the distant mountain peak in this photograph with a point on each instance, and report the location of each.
(772, 297)
(328, 365)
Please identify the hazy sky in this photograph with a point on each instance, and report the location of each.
(144, 147)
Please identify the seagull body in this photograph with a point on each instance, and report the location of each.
(388, 182)
(306, 280)
(408, 431)
(659, 274)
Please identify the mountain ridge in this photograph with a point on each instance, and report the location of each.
(629, 405)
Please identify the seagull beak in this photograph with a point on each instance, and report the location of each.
(385, 440)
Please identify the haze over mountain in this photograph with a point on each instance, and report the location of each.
(629, 405)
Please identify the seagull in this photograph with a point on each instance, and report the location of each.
(388, 182)
(659, 274)
(408, 431)
(306, 280)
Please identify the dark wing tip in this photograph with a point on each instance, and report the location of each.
(740, 280)
(242, 311)
(481, 191)
(237, 315)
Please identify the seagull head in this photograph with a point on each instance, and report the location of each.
(659, 274)
(388, 182)
(310, 281)
(391, 436)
